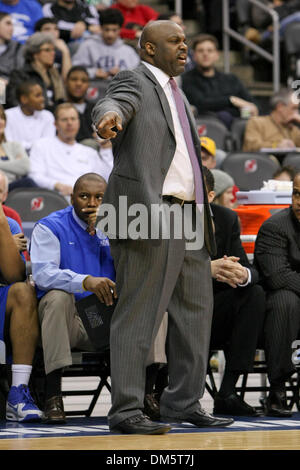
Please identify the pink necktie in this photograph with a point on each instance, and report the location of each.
(189, 141)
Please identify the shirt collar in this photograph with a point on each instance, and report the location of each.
(160, 76)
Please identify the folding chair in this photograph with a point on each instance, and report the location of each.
(249, 170)
(34, 203)
(292, 159)
(216, 130)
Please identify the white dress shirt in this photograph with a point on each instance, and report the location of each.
(179, 181)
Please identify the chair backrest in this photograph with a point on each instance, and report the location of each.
(216, 130)
(292, 159)
(292, 38)
(33, 204)
(238, 131)
(249, 170)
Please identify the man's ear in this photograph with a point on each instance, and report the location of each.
(23, 100)
(150, 48)
(72, 199)
(211, 196)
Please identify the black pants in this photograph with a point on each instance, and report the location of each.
(238, 318)
(281, 329)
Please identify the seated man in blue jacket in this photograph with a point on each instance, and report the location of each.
(70, 260)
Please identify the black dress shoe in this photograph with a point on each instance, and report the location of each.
(275, 405)
(140, 424)
(200, 419)
(151, 407)
(233, 405)
(54, 411)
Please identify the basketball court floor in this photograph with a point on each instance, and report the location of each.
(92, 434)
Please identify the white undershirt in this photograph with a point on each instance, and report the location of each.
(53, 161)
(179, 181)
(27, 129)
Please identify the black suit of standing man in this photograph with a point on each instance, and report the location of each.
(152, 166)
(277, 254)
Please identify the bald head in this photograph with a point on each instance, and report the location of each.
(163, 45)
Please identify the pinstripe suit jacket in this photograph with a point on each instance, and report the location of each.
(144, 149)
(277, 251)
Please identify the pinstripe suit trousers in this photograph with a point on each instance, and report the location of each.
(150, 280)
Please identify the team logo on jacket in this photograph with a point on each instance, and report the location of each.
(37, 204)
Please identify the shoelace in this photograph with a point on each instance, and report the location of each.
(136, 418)
(27, 395)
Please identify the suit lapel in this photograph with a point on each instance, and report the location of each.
(162, 97)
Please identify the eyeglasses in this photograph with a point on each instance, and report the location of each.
(47, 49)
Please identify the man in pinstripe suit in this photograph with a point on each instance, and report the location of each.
(277, 255)
(153, 166)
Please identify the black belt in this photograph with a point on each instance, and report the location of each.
(176, 200)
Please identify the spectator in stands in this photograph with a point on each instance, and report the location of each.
(288, 12)
(62, 52)
(8, 211)
(11, 56)
(77, 84)
(29, 121)
(285, 173)
(104, 55)
(57, 162)
(64, 276)
(135, 17)
(278, 129)
(39, 53)
(208, 152)
(75, 18)
(223, 189)
(24, 14)
(212, 91)
(277, 255)
(239, 306)
(19, 323)
(14, 160)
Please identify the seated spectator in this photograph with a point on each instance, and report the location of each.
(14, 160)
(75, 18)
(39, 53)
(288, 12)
(135, 17)
(239, 306)
(208, 152)
(19, 327)
(277, 255)
(29, 121)
(223, 189)
(62, 53)
(24, 14)
(105, 55)
(211, 156)
(278, 129)
(57, 162)
(11, 56)
(8, 211)
(285, 173)
(77, 84)
(212, 91)
(64, 276)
